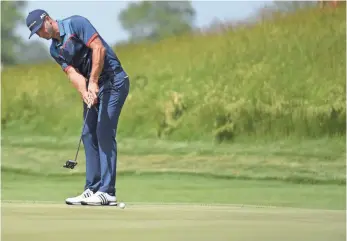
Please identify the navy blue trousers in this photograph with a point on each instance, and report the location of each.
(99, 134)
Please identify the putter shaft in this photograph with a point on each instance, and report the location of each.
(79, 143)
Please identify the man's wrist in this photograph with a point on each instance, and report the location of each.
(93, 80)
(82, 91)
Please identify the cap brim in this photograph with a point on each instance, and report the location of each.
(35, 29)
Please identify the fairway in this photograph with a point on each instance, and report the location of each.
(269, 211)
(45, 221)
(296, 194)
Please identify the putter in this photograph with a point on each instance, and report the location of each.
(72, 163)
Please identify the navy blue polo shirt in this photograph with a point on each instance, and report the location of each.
(76, 33)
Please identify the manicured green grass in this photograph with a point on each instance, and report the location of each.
(54, 222)
(178, 188)
(151, 170)
(175, 192)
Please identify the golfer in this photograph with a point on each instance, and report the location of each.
(97, 74)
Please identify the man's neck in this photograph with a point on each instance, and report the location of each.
(56, 36)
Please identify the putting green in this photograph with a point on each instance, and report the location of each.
(171, 222)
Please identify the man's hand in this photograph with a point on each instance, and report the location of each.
(90, 96)
(93, 90)
(87, 98)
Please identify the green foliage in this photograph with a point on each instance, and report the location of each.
(291, 6)
(154, 20)
(11, 16)
(283, 78)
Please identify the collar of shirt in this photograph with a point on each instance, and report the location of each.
(61, 32)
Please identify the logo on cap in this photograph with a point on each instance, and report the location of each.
(32, 24)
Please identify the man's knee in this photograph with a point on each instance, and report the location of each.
(89, 136)
(107, 126)
(105, 133)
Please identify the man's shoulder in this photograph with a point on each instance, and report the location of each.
(74, 19)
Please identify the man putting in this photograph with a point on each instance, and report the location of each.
(97, 74)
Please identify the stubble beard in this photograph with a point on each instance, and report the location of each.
(50, 31)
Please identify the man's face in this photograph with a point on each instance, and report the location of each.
(46, 30)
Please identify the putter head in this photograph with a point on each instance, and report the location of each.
(70, 164)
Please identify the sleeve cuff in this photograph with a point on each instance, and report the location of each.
(91, 39)
(67, 68)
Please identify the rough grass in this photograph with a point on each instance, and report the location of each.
(277, 79)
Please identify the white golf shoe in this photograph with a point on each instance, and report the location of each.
(77, 200)
(100, 199)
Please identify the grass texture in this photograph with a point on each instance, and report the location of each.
(280, 78)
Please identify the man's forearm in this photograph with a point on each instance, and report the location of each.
(98, 57)
(78, 81)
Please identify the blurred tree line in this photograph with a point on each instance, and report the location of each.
(11, 16)
(155, 20)
(13, 49)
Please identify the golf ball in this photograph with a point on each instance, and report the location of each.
(122, 205)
